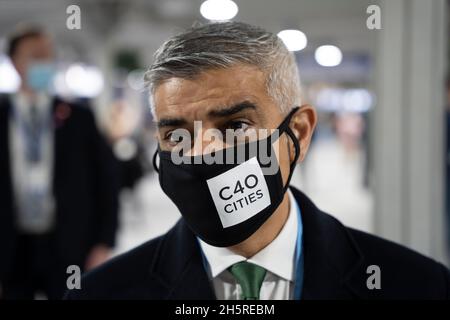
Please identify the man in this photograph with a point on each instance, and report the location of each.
(58, 191)
(244, 234)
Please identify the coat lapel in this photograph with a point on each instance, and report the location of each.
(330, 254)
(61, 112)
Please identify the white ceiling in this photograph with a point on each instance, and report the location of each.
(144, 24)
(342, 21)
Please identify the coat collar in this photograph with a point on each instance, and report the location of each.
(331, 255)
(178, 266)
(331, 259)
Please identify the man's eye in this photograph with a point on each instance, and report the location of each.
(173, 139)
(238, 126)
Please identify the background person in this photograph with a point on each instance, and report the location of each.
(58, 191)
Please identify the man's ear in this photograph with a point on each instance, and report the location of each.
(302, 124)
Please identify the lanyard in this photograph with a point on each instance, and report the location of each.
(299, 259)
(29, 135)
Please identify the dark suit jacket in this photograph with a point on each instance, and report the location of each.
(84, 185)
(335, 266)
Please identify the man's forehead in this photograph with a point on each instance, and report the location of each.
(38, 45)
(218, 87)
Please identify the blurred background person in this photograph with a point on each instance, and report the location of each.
(58, 191)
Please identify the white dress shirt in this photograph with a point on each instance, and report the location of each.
(278, 258)
(24, 175)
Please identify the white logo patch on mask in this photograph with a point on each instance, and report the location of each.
(240, 193)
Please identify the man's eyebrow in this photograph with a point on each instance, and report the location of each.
(228, 111)
(171, 122)
(222, 112)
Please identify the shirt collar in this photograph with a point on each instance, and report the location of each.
(272, 258)
(22, 103)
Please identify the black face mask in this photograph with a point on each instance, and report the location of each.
(224, 204)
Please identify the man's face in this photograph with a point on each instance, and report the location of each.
(233, 98)
(31, 50)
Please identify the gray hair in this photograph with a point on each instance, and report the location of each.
(224, 44)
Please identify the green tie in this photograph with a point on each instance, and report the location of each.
(250, 277)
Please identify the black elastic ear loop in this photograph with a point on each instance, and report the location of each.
(296, 146)
(297, 155)
(154, 160)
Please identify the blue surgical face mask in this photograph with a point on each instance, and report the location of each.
(40, 76)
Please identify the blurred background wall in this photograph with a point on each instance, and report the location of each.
(379, 156)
